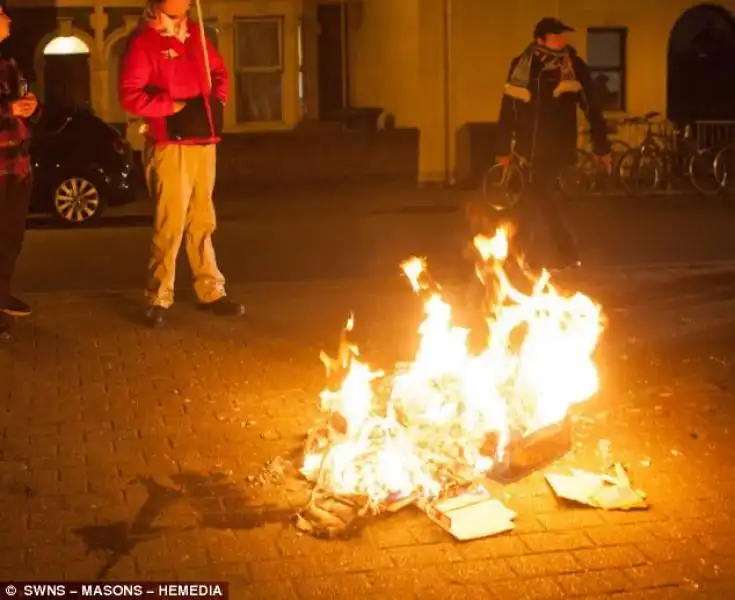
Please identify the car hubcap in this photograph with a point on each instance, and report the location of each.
(76, 200)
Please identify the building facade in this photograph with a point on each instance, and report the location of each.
(434, 65)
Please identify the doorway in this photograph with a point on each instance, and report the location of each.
(66, 73)
(331, 54)
(701, 80)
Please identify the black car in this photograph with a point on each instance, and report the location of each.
(81, 165)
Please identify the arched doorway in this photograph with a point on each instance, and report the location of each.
(701, 77)
(66, 73)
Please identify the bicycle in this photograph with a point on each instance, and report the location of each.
(585, 177)
(724, 167)
(503, 185)
(645, 168)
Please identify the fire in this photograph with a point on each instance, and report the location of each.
(445, 419)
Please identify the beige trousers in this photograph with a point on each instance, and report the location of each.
(181, 181)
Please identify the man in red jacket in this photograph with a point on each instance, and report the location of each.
(167, 79)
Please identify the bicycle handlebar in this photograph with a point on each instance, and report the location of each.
(640, 120)
(613, 126)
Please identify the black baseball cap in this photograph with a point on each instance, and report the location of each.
(550, 25)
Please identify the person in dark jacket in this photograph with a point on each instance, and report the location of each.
(18, 109)
(546, 84)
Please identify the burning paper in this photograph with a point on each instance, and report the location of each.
(442, 421)
(598, 491)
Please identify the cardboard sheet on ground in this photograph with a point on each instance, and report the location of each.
(471, 515)
(598, 491)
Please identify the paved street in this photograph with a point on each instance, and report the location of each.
(127, 453)
(358, 232)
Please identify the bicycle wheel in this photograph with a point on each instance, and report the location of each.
(640, 172)
(580, 179)
(725, 169)
(618, 148)
(502, 186)
(701, 172)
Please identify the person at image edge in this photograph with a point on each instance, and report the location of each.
(167, 79)
(18, 109)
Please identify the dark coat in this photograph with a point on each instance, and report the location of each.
(545, 128)
(15, 132)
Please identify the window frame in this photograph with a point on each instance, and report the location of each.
(621, 70)
(280, 68)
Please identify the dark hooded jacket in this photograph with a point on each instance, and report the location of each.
(545, 128)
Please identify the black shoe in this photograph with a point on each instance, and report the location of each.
(156, 316)
(224, 307)
(15, 308)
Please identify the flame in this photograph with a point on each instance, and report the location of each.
(447, 417)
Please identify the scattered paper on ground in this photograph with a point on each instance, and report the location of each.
(598, 491)
(331, 517)
(471, 515)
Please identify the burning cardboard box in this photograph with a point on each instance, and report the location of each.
(528, 454)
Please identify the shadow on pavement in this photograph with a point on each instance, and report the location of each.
(129, 309)
(218, 502)
(119, 539)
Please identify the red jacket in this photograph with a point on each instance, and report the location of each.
(158, 69)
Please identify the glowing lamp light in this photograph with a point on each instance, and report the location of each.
(64, 45)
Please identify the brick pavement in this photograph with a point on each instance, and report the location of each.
(125, 453)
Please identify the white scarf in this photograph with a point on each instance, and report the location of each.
(167, 26)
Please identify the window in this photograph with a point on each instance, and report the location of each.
(259, 69)
(606, 59)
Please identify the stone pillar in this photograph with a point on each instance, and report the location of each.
(98, 63)
(435, 146)
(65, 26)
(291, 105)
(310, 40)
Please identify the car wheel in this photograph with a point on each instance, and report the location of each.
(77, 200)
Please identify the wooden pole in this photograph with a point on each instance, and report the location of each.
(204, 43)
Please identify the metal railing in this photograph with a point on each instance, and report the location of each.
(682, 157)
(630, 134)
(710, 135)
(714, 134)
(672, 159)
